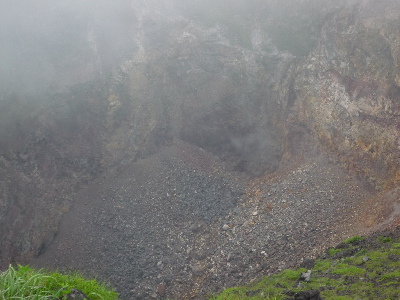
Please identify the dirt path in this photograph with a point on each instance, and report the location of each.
(177, 225)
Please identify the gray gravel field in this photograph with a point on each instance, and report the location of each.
(177, 225)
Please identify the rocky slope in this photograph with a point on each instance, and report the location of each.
(180, 81)
(346, 94)
(347, 90)
(358, 268)
(178, 221)
(162, 135)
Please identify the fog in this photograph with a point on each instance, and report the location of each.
(51, 47)
(193, 145)
(45, 42)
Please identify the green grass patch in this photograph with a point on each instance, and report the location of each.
(23, 282)
(391, 276)
(373, 272)
(384, 239)
(354, 239)
(238, 294)
(323, 265)
(292, 274)
(376, 259)
(333, 251)
(348, 270)
(361, 252)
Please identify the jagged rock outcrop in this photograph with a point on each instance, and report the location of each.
(204, 91)
(347, 91)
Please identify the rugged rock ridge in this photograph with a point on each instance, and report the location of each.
(204, 91)
(347, 91)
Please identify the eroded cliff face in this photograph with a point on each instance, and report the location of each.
(243, 100)
(347, 91)
(202, 90)
(47, 153)
(142, 77)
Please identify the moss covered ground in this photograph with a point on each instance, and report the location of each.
(358, 268)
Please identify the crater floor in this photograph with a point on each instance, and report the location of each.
(179, 225)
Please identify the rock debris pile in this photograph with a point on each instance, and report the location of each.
(178, 225)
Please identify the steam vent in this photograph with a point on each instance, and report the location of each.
(175, 148)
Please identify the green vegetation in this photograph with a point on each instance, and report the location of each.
(23, 282)
(358, 268)
(354, 239)
(333, 251)
(384, 239)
